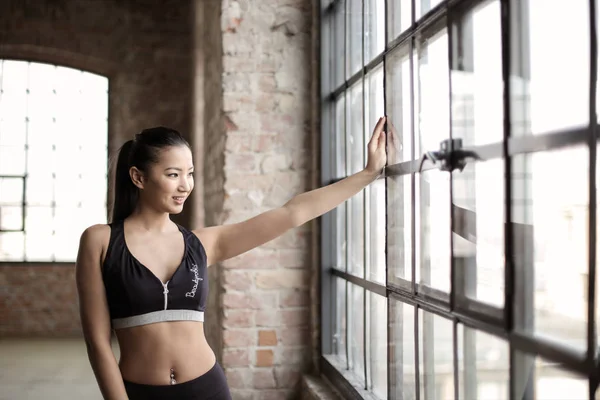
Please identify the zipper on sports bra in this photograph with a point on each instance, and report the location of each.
(166, 292)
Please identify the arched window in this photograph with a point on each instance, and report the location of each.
(53, 159)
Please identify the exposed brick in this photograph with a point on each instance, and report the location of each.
(236, 358)
(264, 358)
(238, 319)
(294, 336)
(294, 317)
(293, 355)
(254, 300)
(237, 378)
(239, 337)
(237, 280)
(287, 376)
(275, 162)
(294, 298)
(267, 338)
(268, 318)
(264, 378)
(258, 258)
(282, 278)
(241, 161)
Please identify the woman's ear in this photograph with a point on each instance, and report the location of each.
(137, 177)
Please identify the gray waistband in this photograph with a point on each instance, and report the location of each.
(158, 316)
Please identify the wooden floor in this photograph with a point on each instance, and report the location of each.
(46, 369)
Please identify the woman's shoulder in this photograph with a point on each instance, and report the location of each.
(96, 236)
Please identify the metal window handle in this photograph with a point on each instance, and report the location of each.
(451, 156)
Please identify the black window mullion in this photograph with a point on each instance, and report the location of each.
(591, 332)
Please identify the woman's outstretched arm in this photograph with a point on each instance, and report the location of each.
(93, 308)
(227, 241)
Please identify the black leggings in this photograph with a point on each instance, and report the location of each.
(210, 386)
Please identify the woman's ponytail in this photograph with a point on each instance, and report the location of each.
(126, 193)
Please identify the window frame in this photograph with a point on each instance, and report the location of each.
(499, 322)
(78, 66)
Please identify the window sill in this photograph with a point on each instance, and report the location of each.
(317, 388)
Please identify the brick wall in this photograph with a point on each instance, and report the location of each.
(143, 47)
(266, 80)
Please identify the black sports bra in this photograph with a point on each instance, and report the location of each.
(136, 296)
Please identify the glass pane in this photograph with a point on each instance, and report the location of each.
(94, 97)
(478, 233)
(340, 137)
(399, 219)
(550, 217)
(40, 221)
(402, 351)
(39, 190)
(340, 43)
(12, 245)
(96, 136)
(11, 218)
(399, 17)
(374, 102)
(374, 29)
(436, 361)
(15, 75)
(376, 231)
(12, 160)
(69, 159)
(67, 190)
(356, 235)
(399, 124)
(41, 161)
(91, 214)
(69, 220)
(354, 163)
(354, 36)
(483, 363)
(355, 144)
(477, 87)
(356, 315)
(340, 171)
(433, 187)
(378, 345)
(433, 80)
(549, 381)
(65, 246)
(339, 329)
(433, 242)
(41, 133)
(11, 191)
(39, 246)
(13, 132)
(375, 193)
(93, 189)
(551, 93)
(41, 104)
(423, 6)
(13, 102)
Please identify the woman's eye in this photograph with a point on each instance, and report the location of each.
(173, 175)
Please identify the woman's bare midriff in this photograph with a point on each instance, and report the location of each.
(149, 352)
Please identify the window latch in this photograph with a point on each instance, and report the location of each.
(449, 157)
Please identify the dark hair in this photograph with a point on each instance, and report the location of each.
(140, 153)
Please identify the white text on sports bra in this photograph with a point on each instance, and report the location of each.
(195, 280)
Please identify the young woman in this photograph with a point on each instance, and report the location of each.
(146, 277)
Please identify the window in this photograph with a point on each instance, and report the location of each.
(53, 159)
(468, 270)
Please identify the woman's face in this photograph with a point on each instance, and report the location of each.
(168, 183)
